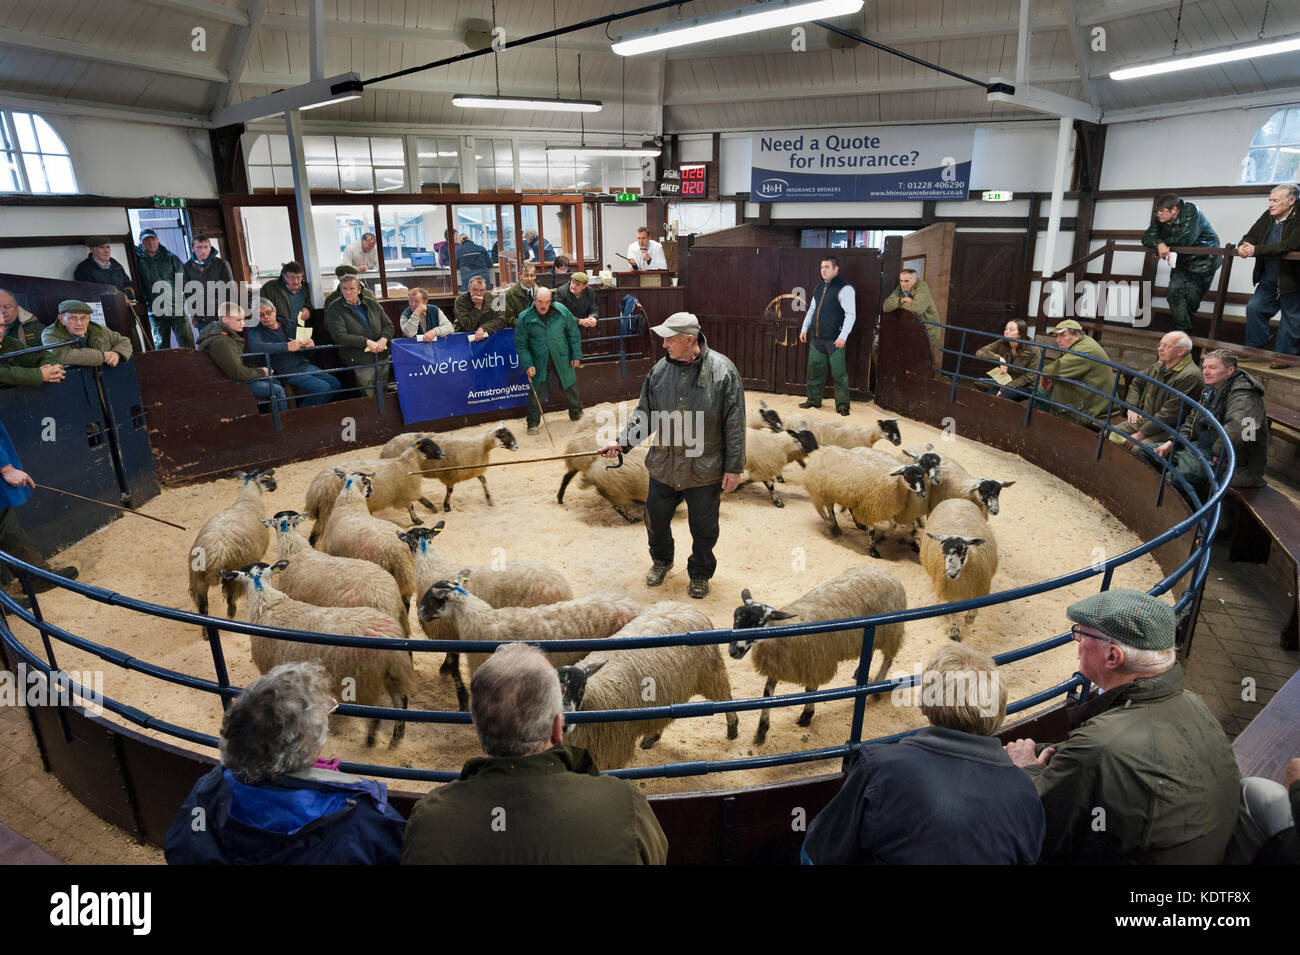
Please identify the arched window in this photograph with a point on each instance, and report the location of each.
(33, 157)
(1274, 154)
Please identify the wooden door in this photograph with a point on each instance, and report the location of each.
(986, 291)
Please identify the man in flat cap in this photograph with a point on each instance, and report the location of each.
(549, 348)
(101, 268)
(580, 299)
(341, 272)
(1147, 775)
(20, 330)
(694, 403)
(1065, 377)
(100, 346)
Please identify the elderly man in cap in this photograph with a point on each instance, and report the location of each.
(101, 268)
(694, 403)
(1065, 377)
(162, 273)
(20, 330)
(362, 330)
(550, 349)
(341, 272)
(580, 299)
(100, 345)
(1147, 775)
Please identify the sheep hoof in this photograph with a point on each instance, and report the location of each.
(778, 502)
(733, 730)
(649, 741)
(416, 521)
(915, 549)
(760, 738)
(835, 531)
(779, 479)
(874, 553)
(805, 719)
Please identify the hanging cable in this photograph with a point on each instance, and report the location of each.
(1263, 21)
(555, 25)
(1178, 25)
(496, 60)
(582, 120)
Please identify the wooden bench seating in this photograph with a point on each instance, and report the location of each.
(1266, 516)
(1273, 737)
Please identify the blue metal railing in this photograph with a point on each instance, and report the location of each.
(1202, 524)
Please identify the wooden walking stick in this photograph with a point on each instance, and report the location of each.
(501, 464)
(124, 510)
(541, 410)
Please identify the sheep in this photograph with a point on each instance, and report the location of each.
(629, 679)
(766, 454)
(520, 583)
(353, 532)
(958, 484)
(847, 434)
(456, 453)
(584, 618)
(865, 485)
(911, 519)
(764, 418)
(370, 677)
(230, 539)
(811, 659)
(624, 487)
(317, 578)
(960, 555)
(393, 484)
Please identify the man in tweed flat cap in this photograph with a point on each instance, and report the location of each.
(1146, 775)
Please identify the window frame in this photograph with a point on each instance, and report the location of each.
(16, 150)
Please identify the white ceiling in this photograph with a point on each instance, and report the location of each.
(144, 55)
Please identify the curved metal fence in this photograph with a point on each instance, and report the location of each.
(1202, 524)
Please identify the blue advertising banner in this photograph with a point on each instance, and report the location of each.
(457, 376)
(862, 163)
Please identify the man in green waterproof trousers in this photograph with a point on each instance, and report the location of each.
(832, 310)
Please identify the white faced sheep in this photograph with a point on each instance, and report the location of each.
(230, 539)
(520, 583)
(459, 453)
(318, 578)
(629, 679)
(377, 677)
(353, 532)
(767, 454)
(960, 555)
(959, 485)
(393, 484)
(625, 486)
(870, 489)
(764, 418)
(585, 618)
(811, 659)
(847, 434)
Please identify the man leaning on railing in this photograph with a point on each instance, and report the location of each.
(1180, 224)
(1277, 280)
(1236, 400)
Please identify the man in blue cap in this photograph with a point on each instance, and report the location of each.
(1147, 775)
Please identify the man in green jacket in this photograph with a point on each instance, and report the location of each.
(475, 313)
(1236, 401)
(164, 279)
(1178, 223)
(1175, 370)
(223, 342)
(362, 330)
(341, 272)
(102, 346)
(529, 800)
(550, 348)
(1066, 377)
(20, 330)
(520, 295)
(1147, 775)
(291, 296)
(913, 295)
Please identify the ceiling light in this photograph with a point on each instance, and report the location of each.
(475, 101)
(317, 93)
(751, 19)
(1207, 59)
(579, 150)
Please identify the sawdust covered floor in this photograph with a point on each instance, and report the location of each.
(1045, 528)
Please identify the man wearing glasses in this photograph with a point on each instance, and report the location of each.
(1146, 776)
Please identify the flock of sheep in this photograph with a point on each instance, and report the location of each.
(358, 575)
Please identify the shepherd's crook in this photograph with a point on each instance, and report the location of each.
(540, 410)
(125, 510)
(501, 464)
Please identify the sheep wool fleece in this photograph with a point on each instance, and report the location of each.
(551, 808)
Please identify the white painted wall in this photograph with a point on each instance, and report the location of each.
(114, 158)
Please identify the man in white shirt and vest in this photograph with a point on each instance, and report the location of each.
(832, 310)
(645, 252)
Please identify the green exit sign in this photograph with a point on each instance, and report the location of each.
(626, 197)
(997, 195)
(168, 202)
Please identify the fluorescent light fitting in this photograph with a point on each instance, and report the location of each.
(1207, 59)
(475, 101)
(578, 150)
(326, 92)
(751, 19)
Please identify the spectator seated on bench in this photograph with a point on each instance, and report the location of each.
(101, 345)
(1065, 377)
(285, 356)
(1005, 353)
(1236, 400)
(1173, 368)
(223, 342)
